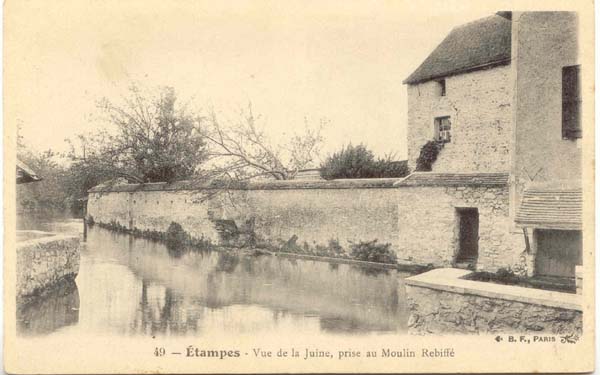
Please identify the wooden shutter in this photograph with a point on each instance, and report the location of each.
(571, 102)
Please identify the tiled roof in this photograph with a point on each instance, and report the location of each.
(478, 44)
(454, 179)
(551, 208)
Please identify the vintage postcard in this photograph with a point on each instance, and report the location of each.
(298, 186)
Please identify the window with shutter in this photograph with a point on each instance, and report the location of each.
(442, 129)
(571, 102)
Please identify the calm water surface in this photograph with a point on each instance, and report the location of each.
(131, 286)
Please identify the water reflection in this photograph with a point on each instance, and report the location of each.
(132, 286)
(57, 308)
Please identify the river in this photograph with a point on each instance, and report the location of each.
(136, 287)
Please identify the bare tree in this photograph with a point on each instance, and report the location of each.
(241, 150)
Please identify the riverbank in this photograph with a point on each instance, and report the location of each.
(178, 238)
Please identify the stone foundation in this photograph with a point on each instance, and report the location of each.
(45, 261)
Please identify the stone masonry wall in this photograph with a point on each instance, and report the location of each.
(155, 211)
(313, 215)
(428, 226)
(479, 106)
(419, 222)
(442, 312)
(44, 262)
(319, 215)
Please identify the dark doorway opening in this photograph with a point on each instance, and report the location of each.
(468, 237)
(558, 252)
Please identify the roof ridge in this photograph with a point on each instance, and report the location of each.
(476, 21)
(473, 45)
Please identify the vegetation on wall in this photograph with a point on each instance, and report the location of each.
(507, 276)
(360, 162)
(368, 251)
(428, 156)
(179, 241)
(371, 251)
(175, 236)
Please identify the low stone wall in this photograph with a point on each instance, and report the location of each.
(440, 301)
(44, 261)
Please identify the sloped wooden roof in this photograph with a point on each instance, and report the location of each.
(551, 208)
(475, 45)
(25, 174)
(454, 179)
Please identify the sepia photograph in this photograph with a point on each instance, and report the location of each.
(295, 186)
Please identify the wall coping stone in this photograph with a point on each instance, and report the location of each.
(190, 185)
(51, 237)
(454, 179)
(451, 280)
(414, 179)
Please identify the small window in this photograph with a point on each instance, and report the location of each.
(571, 102)
(443, 128)
(442, 84)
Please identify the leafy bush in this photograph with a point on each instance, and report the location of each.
(176, 236)
(387, 167)
(371, 251)
(350, 162)
(333, 249)
(428, 156)
(360, 162)
(507, 274)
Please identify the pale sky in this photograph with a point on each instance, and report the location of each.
(344, 61)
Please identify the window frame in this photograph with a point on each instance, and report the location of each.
(438, 124)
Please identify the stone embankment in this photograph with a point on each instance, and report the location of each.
(43, 260)
(442, 301)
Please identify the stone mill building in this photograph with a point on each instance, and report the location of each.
(501, 98)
